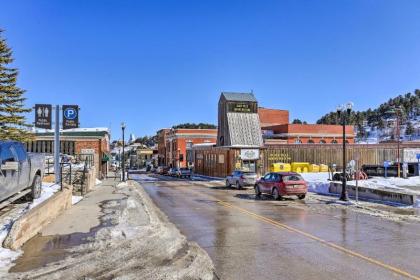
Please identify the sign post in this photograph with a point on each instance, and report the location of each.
(418, 163)
(57, 145)
(386, 165)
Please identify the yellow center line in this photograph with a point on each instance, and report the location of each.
(313, 237)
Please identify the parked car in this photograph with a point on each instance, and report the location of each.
(241, 179)
(184, 173)
(173, 171)
(163, 170)
(19, 170)
(280, 184)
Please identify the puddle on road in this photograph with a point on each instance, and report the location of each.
(42, 250)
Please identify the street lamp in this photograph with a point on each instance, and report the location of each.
(398, 112)
(123, 152)
(343, 112)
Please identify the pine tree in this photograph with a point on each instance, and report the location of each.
(12, 120)
(409, 130)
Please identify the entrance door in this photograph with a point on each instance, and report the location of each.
(249, 165)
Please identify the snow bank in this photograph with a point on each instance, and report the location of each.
(417, 203)
(7, 256)
(75, 199)
(97, 182)
(317, 182)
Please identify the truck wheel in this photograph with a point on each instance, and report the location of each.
(227, 183)
(36, 187)
(276, 194)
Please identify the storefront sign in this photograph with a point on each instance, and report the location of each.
(87, 151)
(43, 116)
(221, 158)
(242, 107)
(279, 157)
(70, 116)
(250, 154)
(410, 154)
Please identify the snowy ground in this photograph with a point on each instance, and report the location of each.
(8, 256)
(319, 183)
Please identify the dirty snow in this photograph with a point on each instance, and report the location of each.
(142, 177)
(75, 199)
(8, 256)
(317, 182)
(97, 182)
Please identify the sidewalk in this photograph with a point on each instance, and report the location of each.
(115, 231)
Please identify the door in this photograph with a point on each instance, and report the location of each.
(24, 167)
(8, 178)
(265, 184)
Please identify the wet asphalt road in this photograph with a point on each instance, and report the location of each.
(290, 239)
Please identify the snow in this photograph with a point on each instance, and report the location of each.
(317, 182)
(417, 203)
(75, 199)
(8, 256)
(97, 182)
(142, 177)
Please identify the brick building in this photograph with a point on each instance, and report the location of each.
(80, 141)
(177, 141)
(276, 129)
(307, 134)
(162, 136)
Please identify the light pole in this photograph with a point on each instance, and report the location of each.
(123, 152)
(343, 112)
(398, 112)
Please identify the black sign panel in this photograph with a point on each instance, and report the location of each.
(70, 116)
(242, 107)
(43, 116)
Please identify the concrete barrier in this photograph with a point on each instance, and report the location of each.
(381, 194)
(33, 221)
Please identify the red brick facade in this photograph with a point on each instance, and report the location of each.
(270, 117)
(177, 140)
(310, 133)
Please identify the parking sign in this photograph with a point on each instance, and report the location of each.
(70, 116)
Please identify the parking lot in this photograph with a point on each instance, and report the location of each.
(249, 238)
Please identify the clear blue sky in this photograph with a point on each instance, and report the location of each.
(154, 64)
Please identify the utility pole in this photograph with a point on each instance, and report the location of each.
(123, 152)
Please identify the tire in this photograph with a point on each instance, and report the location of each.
(36, 187)
(228, 185)
(302, 196)
(257, 191)
(238, 186)
(276, 194)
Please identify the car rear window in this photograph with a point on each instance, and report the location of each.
(292, 178)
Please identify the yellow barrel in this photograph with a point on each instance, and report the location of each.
(323, 168)
(299, 166)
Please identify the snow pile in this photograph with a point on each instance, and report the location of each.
(390, 183)
(97, 182)
(75, 199)
(48, 189)
(317, 182)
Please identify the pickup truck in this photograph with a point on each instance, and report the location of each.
(19, 170)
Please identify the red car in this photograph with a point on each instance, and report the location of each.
(281, 184)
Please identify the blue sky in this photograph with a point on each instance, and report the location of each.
(154, 64)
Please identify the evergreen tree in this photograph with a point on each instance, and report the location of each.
(12, 120)
(409, 130)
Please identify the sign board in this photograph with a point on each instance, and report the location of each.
(418, 156)
(221, 158)
(70, 116)
(242, 107)
(87, 151)
(411, 154)
(43, 116)
(250, 154)
(387, 164)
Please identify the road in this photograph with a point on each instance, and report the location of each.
(250, 238)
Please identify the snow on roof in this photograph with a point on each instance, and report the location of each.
(81, 129)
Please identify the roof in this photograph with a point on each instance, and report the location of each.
(244, 130)
(239, 96)
(88, 132)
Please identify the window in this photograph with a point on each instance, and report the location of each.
(310, 141)
(334, 141)
(267, 177)
(322, 141)
(292, 178)
(298, 141)
(276, 177)
(20, 153)
(6, 155)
